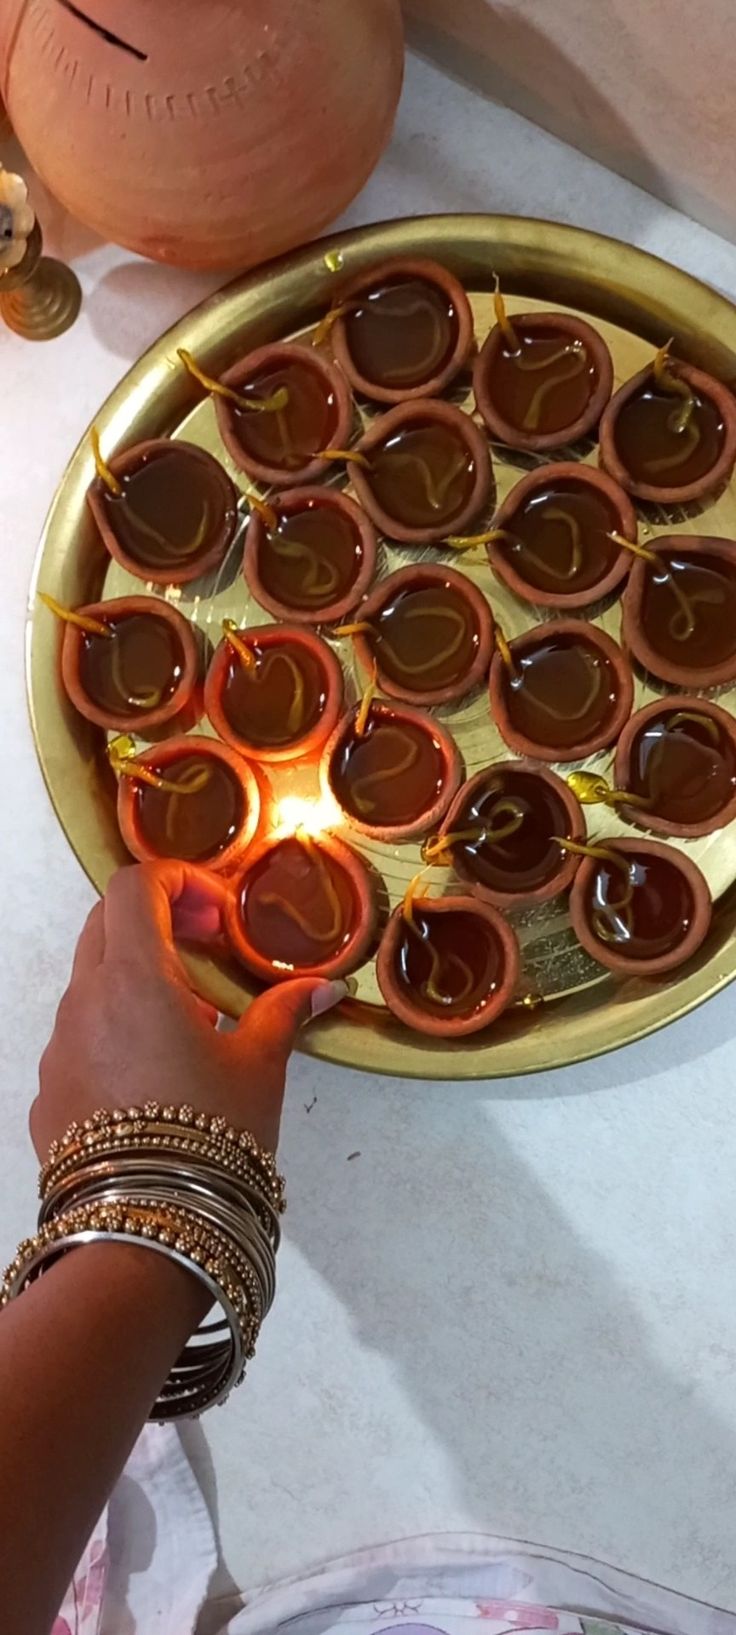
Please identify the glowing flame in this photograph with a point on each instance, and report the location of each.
(295, 812)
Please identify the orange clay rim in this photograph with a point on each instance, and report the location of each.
(415, 578)
(274, 355)
(359, 944)
(590, 636)
(431, 273)
(706, 386)
(289, 504)
(586, 477)
(270, 636)
(425, 822)
(211, 555)
(449, 1027)
(639, 816)
(575, 830)
(163, 756)
(407, 414)
(659, 965)
(502, 429)
(140, 720)
(632, 634)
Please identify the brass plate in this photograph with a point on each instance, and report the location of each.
(637, 302)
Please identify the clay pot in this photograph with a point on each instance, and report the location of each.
(267, 639)
(568, 479)
(424, 412)
(185, 704)
(553, 324)
(590, 637)
(422, 821)
(682, 548)
(203, 136)
(326, 379)
(161, 760)
(452, 587)
(218, 489)
(270, 965)
(331, 503)
(399, 997)
(723, 800)
(665, 493)
(682, 876)
(400, 270)
(565, 819)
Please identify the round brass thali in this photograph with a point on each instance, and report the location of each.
(637, 302)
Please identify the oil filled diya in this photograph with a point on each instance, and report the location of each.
(273, 692)
(428, 631)
(552, 538)
(131, 664)
(310, 555)
(502, 834)
(677, 758)
(165, 510)
(542, 379)
(426, 472)
(402, 330)
(190, 798)
(303, 907)
(669, 434)
(447, 967)
(639, 907)
(392, 770)
(679, 610)
(560, 691)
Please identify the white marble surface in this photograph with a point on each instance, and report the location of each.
(515, 1310)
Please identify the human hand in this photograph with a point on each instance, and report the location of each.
(129, 1029)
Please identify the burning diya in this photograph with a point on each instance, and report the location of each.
(303, 907)
(310, 555)
(680, 610)
(426, 472)
(669, 434)
(130, 665)
(542, 379)
(401, 330)
(283, 412)
(551, 541)
(166, 510)
(560, 691)
(447, 967)
(677, 758)
(273, 692)
(429, 632)
(392, 770)
(190, 798)
(502, 834)
(638, 906)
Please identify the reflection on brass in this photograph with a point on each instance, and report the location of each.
(41, 297)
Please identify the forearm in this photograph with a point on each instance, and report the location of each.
(83, 1355)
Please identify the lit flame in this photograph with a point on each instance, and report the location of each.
(314, 816)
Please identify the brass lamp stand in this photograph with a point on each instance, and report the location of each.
(41, 297)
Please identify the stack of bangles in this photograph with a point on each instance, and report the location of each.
(188, 1186)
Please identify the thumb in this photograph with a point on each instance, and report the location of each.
(271, 1024)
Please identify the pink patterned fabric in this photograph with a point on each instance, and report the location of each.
(82, 1609)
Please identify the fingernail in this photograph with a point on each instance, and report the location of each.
(195, 922)
(327, 996)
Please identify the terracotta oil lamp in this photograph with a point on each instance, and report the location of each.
(310, 555)
(281, 411)
(553, 544)
(274, 692)
(131, 664)
(679, 610)
(166, 510)
(428, 472)
(639, 907)
(190, 798)
(560, 691)
(677, 757)
(447, 967)
(402, 330)
(669, 434)
(392, 770)
(502, 834)
(429, 632)
(303, 907)
(542, 379)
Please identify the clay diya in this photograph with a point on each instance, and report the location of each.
(502, 834)
(551, 541)
(677, 758)
(130, 664)
(669, 433)
(166, 510)
(303, 907)
(638, 906)
(428, 472)
(542, 379)
(428, 631)
(679, 610)
(310, 555)
(560, 691)
(191, 798)
(392, 770)
(273, 692)
(401, 330)
(447, 967)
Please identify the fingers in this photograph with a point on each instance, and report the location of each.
(90, 947)
(144, 905)
(269, 1028)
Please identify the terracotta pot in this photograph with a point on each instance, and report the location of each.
(425, 411)
(567, 477)
(364, 911)
(214, 546)
(515, 776)
(421, 822)
(452, 587)
(402, 269)
(589, 636)
(690, 879)
(331, 502)
(723, 800)
(399, 997)
(161, 760)
(213, 136)
(635, 638)
(272, 639)
(331, 386)
(571, 329)
(663, 493)
(185, 704)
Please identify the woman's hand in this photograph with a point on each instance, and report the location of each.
(129, 1029)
